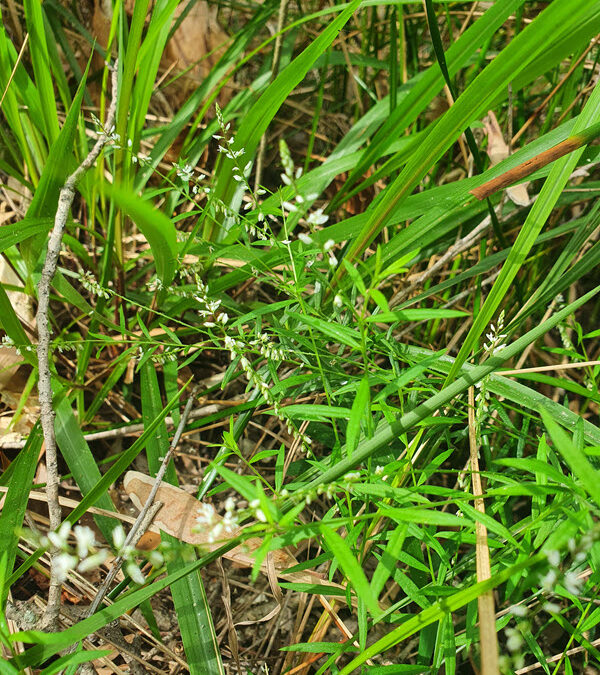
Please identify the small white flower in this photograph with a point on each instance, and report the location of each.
(156, 558)
(288, 206)
(553, 558)
(514, 639)
(305, 238)
(85, 539)
(64, 563)
(572, 583)
(519, 610)
(206, 514)
(333, 261)
(135, 573)
(352, 476)
(93, 561)
(548, 581)
(118, 537)
(551, 607)
(338, 301)
(59, 538)
(317, 217)
(329, 244)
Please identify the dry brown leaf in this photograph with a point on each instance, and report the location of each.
(497, 151)
(178, 515)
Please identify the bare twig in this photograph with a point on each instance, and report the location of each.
(65, 201)
(274, 72)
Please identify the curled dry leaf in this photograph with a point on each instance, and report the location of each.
(498, 150)
(178, 515)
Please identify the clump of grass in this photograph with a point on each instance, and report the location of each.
(331, 356)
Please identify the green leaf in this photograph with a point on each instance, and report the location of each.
(189, 597)
(415, 315)
(337, 333)
(574, 457)
(15, 500)
(155, 226)
(536, 218)
(351, 568)
(389, 431)
(438, 610)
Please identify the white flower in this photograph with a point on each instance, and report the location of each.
(288, 206)
(333, 261)
(206, 514)
(553, 558)
(64, 563)
(572, 583)
(118, 537)
(156, 558)
(93, 561)
(352, 476)
(551, 607)
(317, 217)
(548, 581)
(329, 244)
(59, 538)
(514, 639)
(338, 301)
(135, 573)
(305, 238)
(85, 539)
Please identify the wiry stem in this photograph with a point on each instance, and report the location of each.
(65, 200)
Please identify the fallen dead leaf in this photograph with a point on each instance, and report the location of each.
(177, 517)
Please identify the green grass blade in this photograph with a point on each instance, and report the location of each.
(15, 500)
(476, 99)
(254, 124)
(385, 434)
(438, 610)
(189, 597)
(536, 219)
(351, 568)
(574, 457)
(49, 644)
(155, 226)
(41, 67)
(425, 90)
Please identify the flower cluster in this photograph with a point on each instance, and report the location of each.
(128, 552)
(329, 490)
(240, 174)
(569, 579)
(496, 340)
(301, 204)
(217, 527)
(90, 283)
(208, 307)
(84, 556)
(238, 350)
